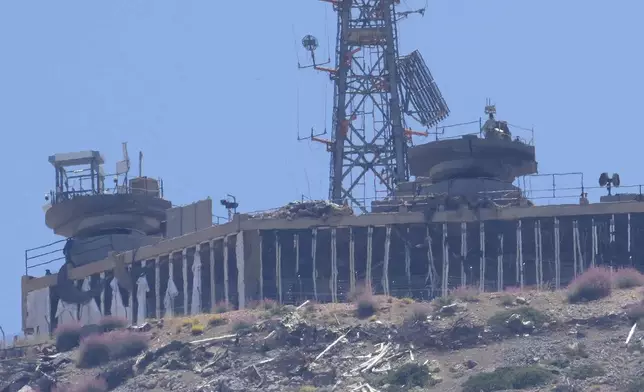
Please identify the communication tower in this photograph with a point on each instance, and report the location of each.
(374, 89)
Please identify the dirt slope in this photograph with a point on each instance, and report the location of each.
(548, 344)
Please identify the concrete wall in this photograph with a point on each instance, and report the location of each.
(188, 219)
(291, 260)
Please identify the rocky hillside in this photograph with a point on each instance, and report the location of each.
(532, 341)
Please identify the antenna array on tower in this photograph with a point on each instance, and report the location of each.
(373, 89)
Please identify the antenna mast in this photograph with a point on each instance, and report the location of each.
(369, 141)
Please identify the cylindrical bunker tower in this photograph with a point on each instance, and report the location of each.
(97, 219)
(472, 170)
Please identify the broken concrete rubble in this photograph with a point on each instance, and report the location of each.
(518, 325)
(306, 209)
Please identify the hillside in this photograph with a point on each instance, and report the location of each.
(537, 341)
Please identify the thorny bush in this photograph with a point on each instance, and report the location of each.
(365, 306)
(68, 336)
(98, 349)
(112, 323)
(409, 375)
(505, 378)
(592, 285)
(498, 321)
(419, 312)
(241, 326)
(466, 293)
(626, 278)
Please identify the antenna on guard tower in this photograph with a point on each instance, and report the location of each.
(140, 163)
(310, 44)
(122, 167)
(374, 89)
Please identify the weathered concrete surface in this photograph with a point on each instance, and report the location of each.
(242, 223)
(252, 268)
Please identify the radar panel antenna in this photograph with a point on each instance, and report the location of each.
(421, 91)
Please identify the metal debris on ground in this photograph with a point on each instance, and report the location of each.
(306, 209)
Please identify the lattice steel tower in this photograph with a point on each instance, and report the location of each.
(373, 89)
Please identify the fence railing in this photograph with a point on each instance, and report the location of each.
(475, 128)
(77, 187)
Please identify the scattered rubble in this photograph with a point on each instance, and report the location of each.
(306, 209)
(299, 351)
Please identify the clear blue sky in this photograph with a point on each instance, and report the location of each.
(208, 90)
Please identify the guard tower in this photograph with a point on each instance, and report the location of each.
(103, 214)
(472, 170)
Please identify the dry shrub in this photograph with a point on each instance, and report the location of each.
(241, 325)
(592, 285)
(68, 336)
(310, 306)
(112, 323)
(419, 312)
(511, 377)
(584, 371)
(88, 385)
(635, 312)
(271, 306)
(466, 293)
(441, 301)
(197, 329)
(513, 290)
(189, 321)
(625, 278)
(222, 307)
(498, 320)
(359, 291)
(365, 306)
(507, 300)
(216, 320)
(96, 350)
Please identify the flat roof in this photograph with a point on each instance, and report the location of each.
(76, 158)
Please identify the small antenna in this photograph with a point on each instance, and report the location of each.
(489, 108)
(123, 166)
(405, 14)
(310, 43)
(140, 163)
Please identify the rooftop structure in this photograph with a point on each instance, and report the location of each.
(418, 244)
(452, 211)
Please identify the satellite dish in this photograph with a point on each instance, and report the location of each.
(603, 179)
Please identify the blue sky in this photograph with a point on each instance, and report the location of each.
(208, 90)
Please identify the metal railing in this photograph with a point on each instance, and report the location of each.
(49, 254)
(77, 187)
(475, 128)
(553, 194)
